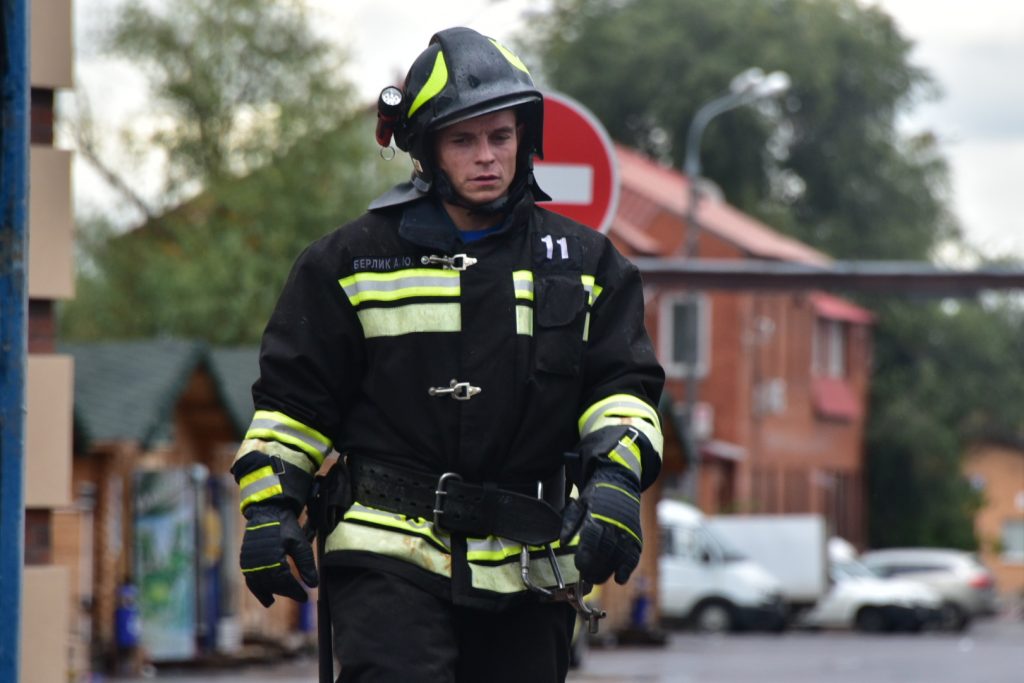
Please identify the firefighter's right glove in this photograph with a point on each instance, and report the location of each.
(607, 518)
(272, 534)
(273, 491)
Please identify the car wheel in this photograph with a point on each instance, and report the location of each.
(953, 618)
(713, 617)
(870, 620)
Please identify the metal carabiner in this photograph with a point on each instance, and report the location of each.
(571, 594)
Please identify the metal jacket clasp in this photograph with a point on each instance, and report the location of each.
(460, 391)
(455, 262)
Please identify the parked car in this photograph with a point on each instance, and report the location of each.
(859, 599)
(966, 586)
(708, 585)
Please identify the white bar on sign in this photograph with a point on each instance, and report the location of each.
(566, 183)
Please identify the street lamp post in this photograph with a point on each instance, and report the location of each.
(745, 88)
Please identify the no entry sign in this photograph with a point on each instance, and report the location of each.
(579, 168)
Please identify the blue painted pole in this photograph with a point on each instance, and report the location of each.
(14, 141)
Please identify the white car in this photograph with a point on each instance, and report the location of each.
(860, 599)
(966, 586)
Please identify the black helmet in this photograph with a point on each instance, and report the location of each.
(463, 74)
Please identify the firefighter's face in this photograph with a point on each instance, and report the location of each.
(479, 155)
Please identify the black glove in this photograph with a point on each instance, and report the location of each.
(271, 534)
(607, 517)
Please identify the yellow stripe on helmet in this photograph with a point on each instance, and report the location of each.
(435, 84)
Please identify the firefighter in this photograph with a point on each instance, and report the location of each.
(471, 356)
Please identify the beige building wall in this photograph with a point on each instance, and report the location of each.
(998, 472)
(49, 396)
(44, 614)
(51, 272)
(45, 624)
(50, 50)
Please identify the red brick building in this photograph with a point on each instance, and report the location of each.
(782, 377)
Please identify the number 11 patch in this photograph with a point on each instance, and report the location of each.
(560, 251)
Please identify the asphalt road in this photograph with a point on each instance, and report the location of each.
(992, 651)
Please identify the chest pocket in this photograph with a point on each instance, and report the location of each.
(560, 306)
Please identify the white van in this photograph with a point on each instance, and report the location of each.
(707, 584)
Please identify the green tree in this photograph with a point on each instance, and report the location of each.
(947, 374)
(829, 165)
(266, 149)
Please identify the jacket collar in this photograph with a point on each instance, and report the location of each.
(425, 223)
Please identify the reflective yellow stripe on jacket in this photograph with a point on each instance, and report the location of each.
(493, 561)
(409, 298)
(522, 282)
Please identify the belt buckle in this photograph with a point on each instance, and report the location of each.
(440, 494)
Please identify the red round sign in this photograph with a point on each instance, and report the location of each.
(579, 168)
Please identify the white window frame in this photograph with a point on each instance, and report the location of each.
(1012, 552)
(829, 360)
(666, 333)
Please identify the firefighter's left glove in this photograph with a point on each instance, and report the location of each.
(607, 517)
(272, 534)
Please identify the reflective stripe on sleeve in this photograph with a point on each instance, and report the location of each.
(259, 485)
(624, 409)
(627, 454)
(269, 425)
(277, 449)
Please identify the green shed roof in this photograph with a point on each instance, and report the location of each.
(234, 370)
(127, 390)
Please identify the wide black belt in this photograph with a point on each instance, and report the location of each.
(458, 506)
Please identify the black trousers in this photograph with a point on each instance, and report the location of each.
(387, 630)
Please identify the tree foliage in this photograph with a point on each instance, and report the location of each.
(947, 374)
(266, 150)
(829, 165)
(826, 164)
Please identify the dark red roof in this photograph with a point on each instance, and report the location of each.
(834, 308)
(833, 399)
(669, 190)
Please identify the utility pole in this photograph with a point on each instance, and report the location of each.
(14, 140)
(747, 87)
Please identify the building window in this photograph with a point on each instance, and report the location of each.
(829, 348)
(683, 334)
(1013, 540)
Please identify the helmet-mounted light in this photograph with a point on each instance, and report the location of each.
(389, 112)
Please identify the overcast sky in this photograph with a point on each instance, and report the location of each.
(975, 51)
